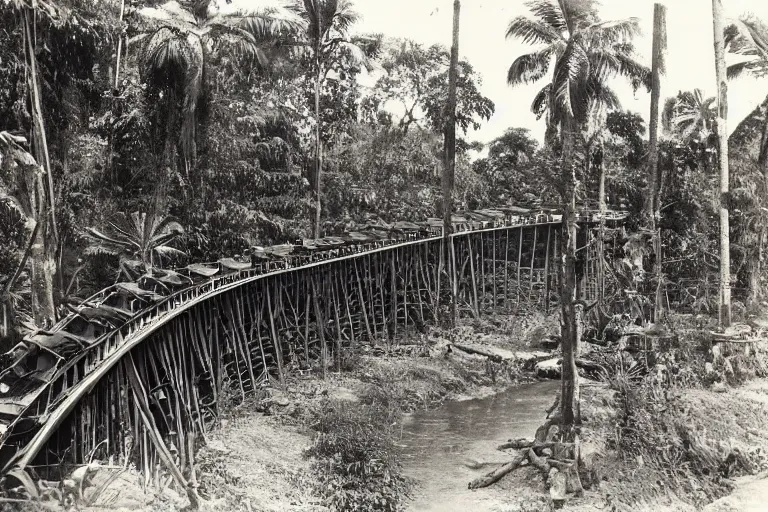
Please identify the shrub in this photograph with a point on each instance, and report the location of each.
(356, 459)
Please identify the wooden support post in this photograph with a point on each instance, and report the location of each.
(519, 260)
(362, 299)
(275, 338)
(506, 271)
(493, 253)
(475, 308)
(483, 281)
(546, 270)
(320, 323)
(393, 293)
(533, 261)
(336, 317)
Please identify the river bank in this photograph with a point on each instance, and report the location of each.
(424, 419)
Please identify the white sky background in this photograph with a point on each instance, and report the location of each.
(690, 59)
(690, 54)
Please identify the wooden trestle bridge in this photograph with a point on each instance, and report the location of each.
(135, 372)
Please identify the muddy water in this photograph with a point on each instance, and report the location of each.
(442, 448)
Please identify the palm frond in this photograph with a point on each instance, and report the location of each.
(573, 64)
(735, 71)
(169, 14)
(532, 31)
(755, 35)
(166, 48)
(530, 67)
(638, 74)
(549, 12)
(167, 251)
(265, 25)
(616, 31)
(541, 101)
(339, 15)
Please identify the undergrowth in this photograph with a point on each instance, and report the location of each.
(355, 454)
(664, 430)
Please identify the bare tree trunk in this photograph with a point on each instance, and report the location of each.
(724, 317)
(43, 263)
(318, 146)
(601, 233)
(449, 159)
(653, 199)
(569, 403)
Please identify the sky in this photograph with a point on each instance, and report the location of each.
(690, 60)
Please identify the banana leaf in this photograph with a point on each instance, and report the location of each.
(104, 314)
(135, 291)
(404, 225)
(279, 251)
(202, 270)
(165, 278)
(232, 264)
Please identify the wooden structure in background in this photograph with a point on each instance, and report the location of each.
(143, 390)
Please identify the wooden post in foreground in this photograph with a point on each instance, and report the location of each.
(724, 316)
(449, 163)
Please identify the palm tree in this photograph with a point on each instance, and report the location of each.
(748, 38)
(690, 117)
(325, 37)
(583, 53)
(176, 42)
(140, 239)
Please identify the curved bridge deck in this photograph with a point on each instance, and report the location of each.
(137, 376)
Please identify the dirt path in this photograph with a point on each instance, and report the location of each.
(750, 495)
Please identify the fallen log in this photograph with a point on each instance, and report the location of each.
(496, 358)
(517, 444)
(523, 444)
(497, 474)
(539, 463)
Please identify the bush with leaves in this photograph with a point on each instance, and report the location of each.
(355, 456)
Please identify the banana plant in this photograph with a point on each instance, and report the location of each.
(141, 239)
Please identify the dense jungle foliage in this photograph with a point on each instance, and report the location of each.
(184, 131)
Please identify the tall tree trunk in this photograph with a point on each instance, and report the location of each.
(318, 146)
(42, 259)
(601, 233)
(569, 403)
(653, 198)
(449, 160)
(119, 47)
(724, 317)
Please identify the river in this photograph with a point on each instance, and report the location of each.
(440, 446)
